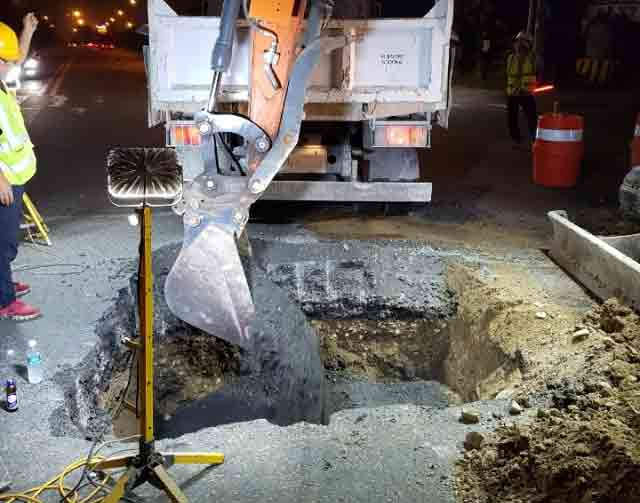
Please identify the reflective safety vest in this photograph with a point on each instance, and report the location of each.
(17, 159)
(521, 74)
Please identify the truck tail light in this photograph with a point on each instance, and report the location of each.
(184, 134)
(405, 136)
(398, 134)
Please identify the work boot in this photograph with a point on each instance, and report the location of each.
(21, 289)
(19, 311)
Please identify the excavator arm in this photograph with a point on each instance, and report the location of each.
(207, 286)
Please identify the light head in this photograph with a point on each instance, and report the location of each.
(138, 177)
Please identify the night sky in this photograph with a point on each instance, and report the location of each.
(99, 10)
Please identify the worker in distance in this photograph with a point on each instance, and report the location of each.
(17, 167)
(521, 83)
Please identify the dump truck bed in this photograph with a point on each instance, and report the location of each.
(389, 67)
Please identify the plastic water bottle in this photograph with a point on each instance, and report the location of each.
(34, 364)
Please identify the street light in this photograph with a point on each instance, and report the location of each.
(77, 13)
(133, 2)
(129, 24)
(80, 22)
(120, 12)
(46, 18)
(112, 19)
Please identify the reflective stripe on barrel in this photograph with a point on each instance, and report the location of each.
(560, 135)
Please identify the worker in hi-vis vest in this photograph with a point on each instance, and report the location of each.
(17, 167)
(521, 83)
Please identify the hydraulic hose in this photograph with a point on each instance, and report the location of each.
(223, 50)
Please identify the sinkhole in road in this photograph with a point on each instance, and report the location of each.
(329, 335)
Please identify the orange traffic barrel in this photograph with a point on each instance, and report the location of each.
(635, 145)
(559, 150)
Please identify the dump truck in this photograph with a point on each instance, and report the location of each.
(370, 106)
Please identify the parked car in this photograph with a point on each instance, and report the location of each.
(31, 68)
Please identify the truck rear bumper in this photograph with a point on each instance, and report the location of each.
(367, 192)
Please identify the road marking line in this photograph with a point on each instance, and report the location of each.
(54, 86)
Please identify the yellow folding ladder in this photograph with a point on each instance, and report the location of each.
(33, 220)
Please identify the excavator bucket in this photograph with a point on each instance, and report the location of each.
(207, 286)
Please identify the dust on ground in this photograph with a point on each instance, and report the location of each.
(478, 232)
(584, 443)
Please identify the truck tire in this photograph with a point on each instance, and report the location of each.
(630, 195)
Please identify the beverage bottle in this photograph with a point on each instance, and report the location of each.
(12, 396)
(34, 364)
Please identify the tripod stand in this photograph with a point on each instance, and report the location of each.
(148, 465)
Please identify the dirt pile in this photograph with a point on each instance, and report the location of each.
(585, 445)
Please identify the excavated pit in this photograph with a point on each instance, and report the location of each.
(377, 324)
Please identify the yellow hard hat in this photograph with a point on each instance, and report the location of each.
(9, 46)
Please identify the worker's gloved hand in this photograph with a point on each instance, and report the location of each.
(6, 191)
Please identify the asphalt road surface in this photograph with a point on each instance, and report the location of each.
(94, 100)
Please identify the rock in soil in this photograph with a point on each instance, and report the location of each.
(469, 416)
(515, 408)
(580, 335)
(473, 441)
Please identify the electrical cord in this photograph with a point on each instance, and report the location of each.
(85, 470)
(58, 483)
(125, 392)
(80, 269)
(28, 268)
(93, 451)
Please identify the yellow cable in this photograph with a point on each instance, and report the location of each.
(58, 484)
